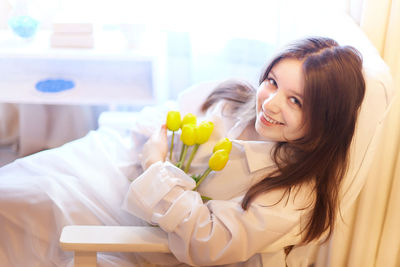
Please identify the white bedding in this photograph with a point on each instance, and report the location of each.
(82, 182)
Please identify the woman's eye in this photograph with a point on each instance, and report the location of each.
(294, 100)
(272, 82)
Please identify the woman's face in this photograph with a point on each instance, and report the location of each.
(279, 103)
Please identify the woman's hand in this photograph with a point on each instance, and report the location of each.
(155, 149)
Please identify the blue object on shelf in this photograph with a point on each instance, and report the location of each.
(54, 86)
(23, 26)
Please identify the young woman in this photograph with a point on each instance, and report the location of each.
(291, 140)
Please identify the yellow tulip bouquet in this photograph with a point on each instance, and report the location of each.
(192, 136)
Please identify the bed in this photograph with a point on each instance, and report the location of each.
(80, 186)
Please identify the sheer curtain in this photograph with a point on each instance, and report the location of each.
(380, 20)
(371, 235)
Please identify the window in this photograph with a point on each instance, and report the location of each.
(205, 40)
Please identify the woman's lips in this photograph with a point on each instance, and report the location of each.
(267, 120)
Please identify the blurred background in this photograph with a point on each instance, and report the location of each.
(63, 62)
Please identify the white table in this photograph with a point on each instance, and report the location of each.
(109, 74)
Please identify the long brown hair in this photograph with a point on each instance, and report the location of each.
(333, 92)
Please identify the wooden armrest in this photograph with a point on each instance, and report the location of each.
(114, 238)
(85, 241)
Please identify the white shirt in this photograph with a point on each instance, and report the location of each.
(220, 231)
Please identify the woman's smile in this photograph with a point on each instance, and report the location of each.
(268, 121)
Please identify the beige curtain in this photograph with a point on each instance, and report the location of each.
(380, 20)
(370, 234)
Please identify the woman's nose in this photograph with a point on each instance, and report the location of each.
(273, 102)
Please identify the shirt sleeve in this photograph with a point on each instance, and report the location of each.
(218, 232)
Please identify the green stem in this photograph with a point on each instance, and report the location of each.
(204, 198)
(183, 156)
(194, 150)
(194, 177)
(203, 176)
(183, 148)
(172, 145)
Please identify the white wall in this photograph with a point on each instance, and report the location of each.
(5, 9)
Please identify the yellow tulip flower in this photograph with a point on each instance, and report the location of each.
(218, 160)
(188, 135)
(173, 124)
(203, 132)
(224, 144)
(188, 119)
(173, 120)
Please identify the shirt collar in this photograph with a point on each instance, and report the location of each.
(258, 154)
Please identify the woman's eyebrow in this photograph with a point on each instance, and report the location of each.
(293, 92)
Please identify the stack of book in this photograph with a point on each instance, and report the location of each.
(72, 34)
